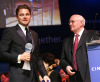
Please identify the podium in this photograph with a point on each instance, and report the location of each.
(93, 51)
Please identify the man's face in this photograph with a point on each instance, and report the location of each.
(24, 17)
(75, 23)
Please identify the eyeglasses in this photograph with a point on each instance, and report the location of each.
(73, 21)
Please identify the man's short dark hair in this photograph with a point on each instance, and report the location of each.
(48, 58)
(22, 7)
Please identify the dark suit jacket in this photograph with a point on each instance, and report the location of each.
(81, 53)
(12, 44)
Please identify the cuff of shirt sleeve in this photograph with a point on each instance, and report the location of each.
(18, 59)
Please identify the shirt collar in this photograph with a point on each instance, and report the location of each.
(80, 33)
(22, 27)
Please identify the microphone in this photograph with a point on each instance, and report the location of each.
(95, 19)
(28, 48)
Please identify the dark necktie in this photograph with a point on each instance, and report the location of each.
(28, 36)
(74, 53)
(26, 65)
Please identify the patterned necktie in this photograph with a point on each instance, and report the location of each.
(28, 36)
(74, 53)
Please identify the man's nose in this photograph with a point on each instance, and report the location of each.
(70, 23)
(25, 17)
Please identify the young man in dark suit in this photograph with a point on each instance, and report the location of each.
(74, 59)
(12, 48)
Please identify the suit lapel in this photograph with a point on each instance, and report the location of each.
(71, 43)
(83, 38)
(21, 34)
(33, 39)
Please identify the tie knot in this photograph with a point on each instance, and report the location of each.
(26, 29)
(77, 35)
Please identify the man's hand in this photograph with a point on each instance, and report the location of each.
(25, 56)
(69, 70)
(46, 78)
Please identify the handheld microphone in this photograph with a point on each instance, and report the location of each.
(28, 47)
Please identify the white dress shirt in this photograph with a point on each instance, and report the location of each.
(80, 34)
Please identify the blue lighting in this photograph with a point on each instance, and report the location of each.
(31, 0)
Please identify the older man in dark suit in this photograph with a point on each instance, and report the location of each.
(74, 59)
(12, 48)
